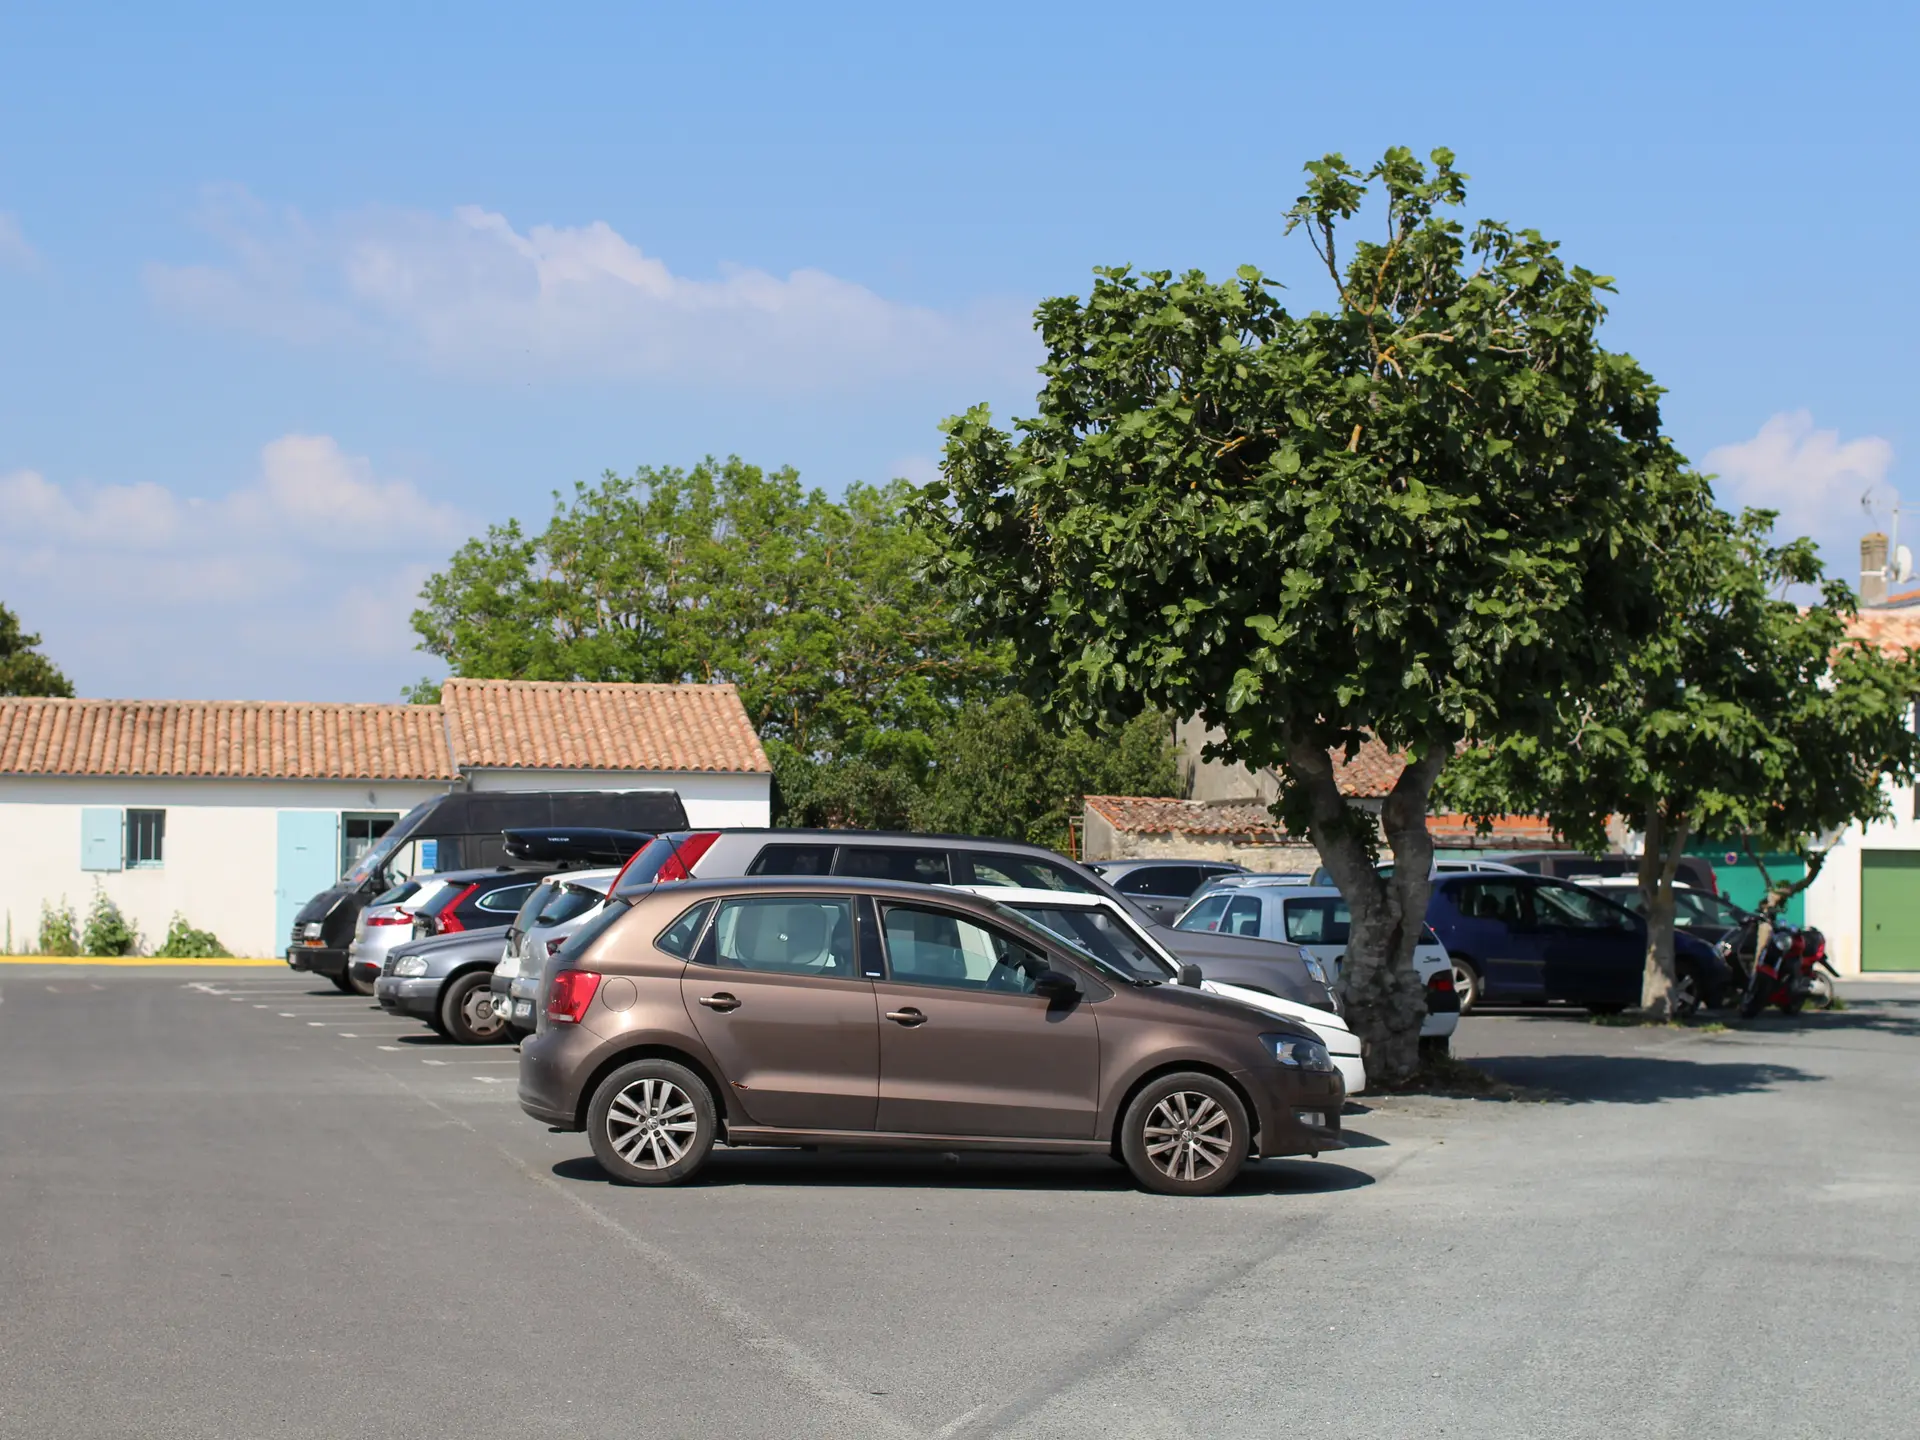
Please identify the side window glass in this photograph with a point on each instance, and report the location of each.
(1137, 882)
(507, 900)
(786, 934)
(875, 862)
(1205, 915)
(932, 947)
(1307, 922)
(1495, 901)
(792, 860)
(1243, 916)
(1022, 872)
(682, 935)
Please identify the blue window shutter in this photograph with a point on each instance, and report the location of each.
(99, 839)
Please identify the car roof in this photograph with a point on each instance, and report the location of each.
(1157, 862)
(900, 838)
(1030, 895)
(530, 874)
(902, 890)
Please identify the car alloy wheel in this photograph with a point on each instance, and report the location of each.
(1188, 1136)
(1685, 997)
(466, 1011)
(652, 1123)
(1185, 1134)
(1466, 984)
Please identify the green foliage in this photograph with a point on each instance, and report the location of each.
(183, 942)
(59, 930)
(1421, 515)
(107, 931)
(878, 707)
(425, 692)
(23, 670)
(821, 612)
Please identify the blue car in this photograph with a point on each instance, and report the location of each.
(1527, 940)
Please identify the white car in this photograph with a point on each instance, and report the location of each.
(1106, 929)
(1315, 918)
(558, 906)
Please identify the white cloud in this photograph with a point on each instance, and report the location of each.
(468, 292)
(1817, 481)
(309, 570)
(14, 249)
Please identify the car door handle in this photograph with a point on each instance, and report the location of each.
(908, 1017)
(722, 1001)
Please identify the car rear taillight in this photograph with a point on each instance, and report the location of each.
(401, 919)
(686, 855)
(570, 994)
(446, 922)
(1441, 983)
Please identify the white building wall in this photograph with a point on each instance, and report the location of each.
(221, 850)
(222, 840)
(1833, 900)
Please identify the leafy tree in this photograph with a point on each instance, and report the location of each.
(1741, 715)
(1420, 515)
(23, 669)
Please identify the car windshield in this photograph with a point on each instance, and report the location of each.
(1101, 934)
(375, 860)
(1034, 930)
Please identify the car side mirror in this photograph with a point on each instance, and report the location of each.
(1189, 976)
(1055, 984)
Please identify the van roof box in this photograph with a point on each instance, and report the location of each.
(573, 845)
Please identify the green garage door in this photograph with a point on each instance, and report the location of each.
(1890, 909)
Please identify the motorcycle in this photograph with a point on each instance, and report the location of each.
(1790, 972)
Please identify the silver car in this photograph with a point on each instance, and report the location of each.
(386, 922)
(559, 905)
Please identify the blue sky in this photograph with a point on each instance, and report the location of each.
(292, 299)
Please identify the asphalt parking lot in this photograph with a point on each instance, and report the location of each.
(236, 1203)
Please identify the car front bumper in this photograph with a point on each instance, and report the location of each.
(1283, 1096)
(317, 960)
(418, 996)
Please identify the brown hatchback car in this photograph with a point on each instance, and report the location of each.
(850, 1012)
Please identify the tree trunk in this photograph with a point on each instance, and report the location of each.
(1659, 863)
(1385, 1002)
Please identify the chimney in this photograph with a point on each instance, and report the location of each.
(1873, 568)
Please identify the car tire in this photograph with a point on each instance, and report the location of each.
(652, 1123)
(466, 1011)
(1466, 984)
(1185, 1134)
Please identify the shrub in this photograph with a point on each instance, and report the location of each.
(183, 942)
(107, 932)
(59, 932)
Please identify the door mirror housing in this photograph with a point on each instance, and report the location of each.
(1189, 976)
(1055, 984)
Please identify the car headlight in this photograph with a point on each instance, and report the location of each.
(1317, 970)
(409, 966)
(1298, 1053)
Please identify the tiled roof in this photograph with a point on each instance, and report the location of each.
(1894, 629)
(1510, 832)
(479, 724)
(550, 725)
(238, 739)
(1371, 774)
(1142, 815)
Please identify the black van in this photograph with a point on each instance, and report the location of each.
(460, 831)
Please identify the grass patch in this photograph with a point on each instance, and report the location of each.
(1838, 1004)
(1711, 1027)
(1445, 1076)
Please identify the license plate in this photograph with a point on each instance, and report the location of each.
(522, 1009)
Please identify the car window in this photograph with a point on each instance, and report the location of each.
(1204, 914)
(1634, 901)
(570, 902)
(1318, 922)
(1173, 881)
(1564, 905)
(1020, 872)
(1101, 936)
(683, 935)
(888, 862)
(1242, 916)
(792, 860)
(1500, 901)
(532, 907)
(790, 935)
(506, 900)
(406, 890)
(934, 947)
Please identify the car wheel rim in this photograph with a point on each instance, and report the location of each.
(1466, 986)
(651, 1124)
(1686, 995)
(477, 1011)
(1188, 1136)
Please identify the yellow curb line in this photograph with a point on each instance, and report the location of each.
(125, 960)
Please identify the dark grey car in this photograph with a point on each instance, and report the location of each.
(443, 980)
(1162, 888)
(1278, 968)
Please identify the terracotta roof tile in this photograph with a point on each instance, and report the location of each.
(1371, 774)
(237, 739)
(1144, 815)
(549, 725)
(1891, 630)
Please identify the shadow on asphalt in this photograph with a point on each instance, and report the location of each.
(895, 1170)
(1637, 1079)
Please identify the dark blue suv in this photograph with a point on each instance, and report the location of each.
(1525, 940)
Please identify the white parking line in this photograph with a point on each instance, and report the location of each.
(317, 1024)
(346, 1035)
